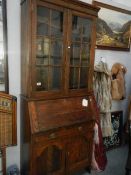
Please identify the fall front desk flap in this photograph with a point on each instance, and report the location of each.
(46, 115)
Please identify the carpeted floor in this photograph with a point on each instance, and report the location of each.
(116, 162)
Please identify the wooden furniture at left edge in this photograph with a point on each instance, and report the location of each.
(57, 119)
(8, 125)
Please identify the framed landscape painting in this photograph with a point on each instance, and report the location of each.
(113, 28)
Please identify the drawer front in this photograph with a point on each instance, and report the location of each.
(48, 136)
(83, 128)
(79, 129)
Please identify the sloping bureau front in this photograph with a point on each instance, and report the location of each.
(53, 114)
(60, 131)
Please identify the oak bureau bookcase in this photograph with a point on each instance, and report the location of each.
(57, 120)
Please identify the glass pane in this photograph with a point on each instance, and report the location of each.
(55, 78)
(76, 28)
(42, 61)
(43, 14)
(43, 20)
(81, 29)
(85, 54)
(56, 52)
(42, 29)
(56, 23)
(75, 54)
(74, 74)
(43, 47)
(86, 32)
(42, 79)
(83, 77)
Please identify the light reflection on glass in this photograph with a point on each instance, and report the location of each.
(2, 76)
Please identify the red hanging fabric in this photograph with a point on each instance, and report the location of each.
(99, 149)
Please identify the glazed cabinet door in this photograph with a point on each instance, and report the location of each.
(62, 51)
(80, 54)
(48, 49)
(48, 160)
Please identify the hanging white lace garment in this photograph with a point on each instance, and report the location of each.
(102, 91)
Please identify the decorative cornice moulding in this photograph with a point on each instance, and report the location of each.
(115, 4)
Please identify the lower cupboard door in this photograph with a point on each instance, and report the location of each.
(79, 153)
(49, 160)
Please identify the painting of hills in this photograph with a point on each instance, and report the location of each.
(113, 29)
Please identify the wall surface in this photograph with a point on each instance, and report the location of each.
(112, 57)
(123, 2)
(13, 9)
(13, 22)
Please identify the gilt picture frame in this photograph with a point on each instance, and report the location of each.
(113, 29)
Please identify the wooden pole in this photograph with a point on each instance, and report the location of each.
(3, 150)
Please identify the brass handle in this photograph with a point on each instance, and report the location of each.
(52, 136)
(80, 128)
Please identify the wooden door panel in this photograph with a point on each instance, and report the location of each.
(49, 160)
(77, 150)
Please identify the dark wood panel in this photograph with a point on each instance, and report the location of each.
(56, 129)
(49, 159)
(76, 129)
(77, 5)
(45, 115)
(25, 47)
